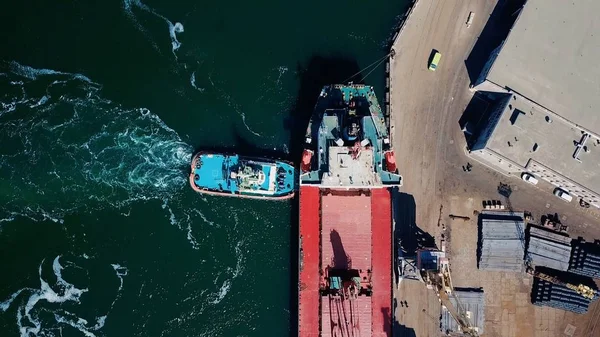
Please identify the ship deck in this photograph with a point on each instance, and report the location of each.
(345, 230)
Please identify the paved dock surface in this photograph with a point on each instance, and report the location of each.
(430, 149)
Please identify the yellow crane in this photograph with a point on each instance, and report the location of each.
(442, 283)
(581, 289)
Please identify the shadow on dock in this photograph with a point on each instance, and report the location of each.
(403, 331)
(493, 34)
(408, 236)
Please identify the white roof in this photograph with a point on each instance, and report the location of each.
(551, 56)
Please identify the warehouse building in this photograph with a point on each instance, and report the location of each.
(542, 89)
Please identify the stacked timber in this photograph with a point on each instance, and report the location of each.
(549, 249)
(585, 259)
(544, 293)
(501, 241)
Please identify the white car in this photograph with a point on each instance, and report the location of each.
(529, 178)
(563, 194)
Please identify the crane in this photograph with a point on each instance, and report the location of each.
(442, 283)
(342, 287)
(581, 289)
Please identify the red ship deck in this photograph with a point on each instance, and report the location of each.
(381, 224)
(308, 296)
(345, 231)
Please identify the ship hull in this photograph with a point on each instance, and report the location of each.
(236, 194)
(345, 218)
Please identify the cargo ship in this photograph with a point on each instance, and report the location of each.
(347, 174)
(244, 177)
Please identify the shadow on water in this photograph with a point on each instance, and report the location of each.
(320, 70)
(409, 237)
(493, 34)
(243, 147)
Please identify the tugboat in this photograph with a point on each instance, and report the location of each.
(244, 177)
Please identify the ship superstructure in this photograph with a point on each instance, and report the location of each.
(347, 170)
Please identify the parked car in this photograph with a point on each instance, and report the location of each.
(529, 178)
(563, 194)
(435, 60)
(470, 19)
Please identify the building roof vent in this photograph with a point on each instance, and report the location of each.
(548, 119)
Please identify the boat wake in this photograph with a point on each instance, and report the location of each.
(65, 148)
(174, 28)
(193, 82)
(37, 314)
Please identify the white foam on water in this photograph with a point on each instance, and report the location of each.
(6, 304)
(42, 100)
(100, 322)
(172, 218)
(220, 295)
(205, 219)
(192, 240)
(127, 7)
(77, 169)
(239, 266)
(282, 70)
(193, 82)
(235, 106)
(29, 322)
(186, 217)
(174, 28)
(68, 292)
(7, 219)
(235, 273)
(120, 271)
(246, 124)
(33, 73)
(79, 324)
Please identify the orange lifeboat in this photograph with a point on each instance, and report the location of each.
(306, 158)
(390, 161)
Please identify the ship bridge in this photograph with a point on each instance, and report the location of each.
(347, 142)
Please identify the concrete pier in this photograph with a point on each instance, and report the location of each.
(424, 112)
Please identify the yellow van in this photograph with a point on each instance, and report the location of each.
(434, 61)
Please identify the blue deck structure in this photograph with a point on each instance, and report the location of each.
(234, 175)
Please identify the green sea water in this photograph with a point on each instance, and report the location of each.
(102, 105)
